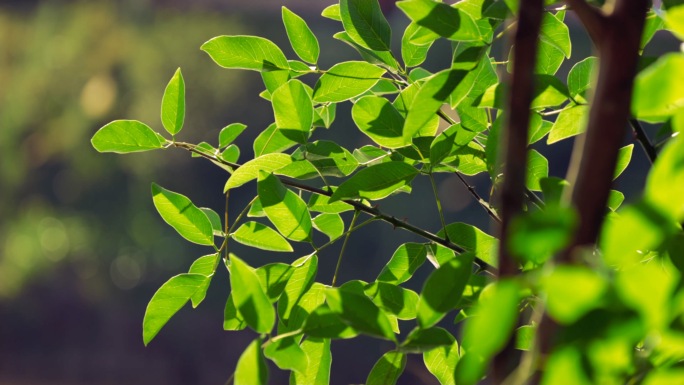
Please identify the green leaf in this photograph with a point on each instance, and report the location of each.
(330, 159)
(615, 199)
(231, 154)
(215, 220)
(404, 262)
(449, 22)
(326, 115)
(346, 80)
(301, 280)
(286, 210)
(657, 93)
(179, 212)
(443, 289)
(271, 140)
(170, 298)
(301, 38)
(321, 204)
(524, 337)
(257, 235)
(275, 78)
(312, 299)
(423, 340)
(569, 123)
(332, 12)
(381, 58)
(293, 110)
(320, 359)
(249, 297)
(438, 254)
(441, 362)
(623, 159)
(566, 365)
(388, 369)
(250, 170)
(665, 183)
(331, 225)
(548, 92)
(448, 141)
(539, 131)
(124, 136)
(287, 354)
(229, 133)
(173, 104)
(555, 33)
(376, 182)
(537, 168)
(549, 59)
(413, 54)
(487, 332)
(473, 239)
(273, 278)
(429, 99)
(205, 266)
(366, 25)
(370, 155)
(572, 291)
(581, 78)
(537, 235)
(654, 23)
(359, 312)
(251, 367)
(246, 52)
(394, 299)
(324, 323)
(674, 20)
(376, 117)
(232, 320)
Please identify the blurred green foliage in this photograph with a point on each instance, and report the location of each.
(65, 68)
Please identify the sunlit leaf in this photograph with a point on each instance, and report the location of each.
(441, 362)
(251, 367)
(286, 210)
(366, 25)
(376, 182)
(394, 299)
(330, 225)
(301, 280)
(376, 117)
(173, 104)
(258, 235)
(250, 170)
(273, 278)
(232, 320)
(572, 291)
(205, 266)
(124, 136)
(388, 369)
(346, 80)
(623, 159)
(657, 93)
(181, 214)
(293, 110)
(249, 296)
(581, 77)
(404, 262)
(446, 21)
(170, 298)
(537, 168)
(423, 340)
(320, 358)
(246, 52)
(469, 237)
(443, 289)
(325, 323)
(229, 133)
(569, 123)
(287, 354)
(271, 140)
(359, 312)
(303, 41)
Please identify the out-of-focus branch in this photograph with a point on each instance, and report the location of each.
(592, 18)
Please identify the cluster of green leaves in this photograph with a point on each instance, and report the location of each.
(622, 315)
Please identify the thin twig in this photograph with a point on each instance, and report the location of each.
(643, 139)
(479, 199)
(344, 246)
(439, 204)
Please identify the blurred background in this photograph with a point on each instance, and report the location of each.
(82, 249)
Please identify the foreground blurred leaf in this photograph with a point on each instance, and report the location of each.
(181, 214)
(170, 298)
(124, 136)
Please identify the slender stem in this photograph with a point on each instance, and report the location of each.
(532, 197)
(558, 111)
(439, 204)
(282, 336)
(479, 199)
(241, 215)
(344, 246)
(225, 221)
(349, 231)
(643, 139)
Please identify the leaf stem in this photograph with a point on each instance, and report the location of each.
(643, 139)
(241, 215)
(344, 246)
(479, 199)
(439, 204)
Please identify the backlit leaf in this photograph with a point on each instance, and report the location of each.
(423, 340)
(124, 136)
(303, 41)
(271, 140)
(170, 298)
(251, 367)
(346, 80)
(376, 182)
(569, 123)
(441, 362)
(293, 110)
(301, 280)
(229, 133)
(286, 210)
(376, 117)
(287, 354)
(181, 214)
(273, 278)
(258, 235)
(388, 369)
(404, 262)
(473, 239)
(320, 358)
(173, 104)
(250, 170)
(205, 266)
(449, 22)
(359, 312)
(443, 289)
(249, 296)
(246, 52)
(330, 225)
(366, 25)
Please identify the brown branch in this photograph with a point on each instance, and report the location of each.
(515, 138)
(642, 138)
(592, 18)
